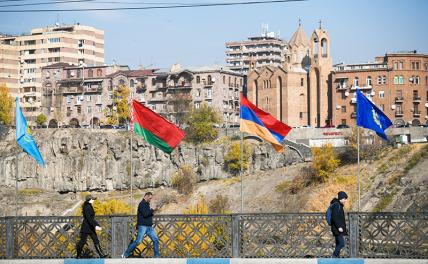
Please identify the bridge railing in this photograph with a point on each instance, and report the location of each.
(371, 235)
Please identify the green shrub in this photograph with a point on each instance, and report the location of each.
(232, 159)
(201, 124)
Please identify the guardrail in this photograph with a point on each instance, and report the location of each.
(371, 235)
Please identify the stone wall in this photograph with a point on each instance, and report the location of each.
(82, 160)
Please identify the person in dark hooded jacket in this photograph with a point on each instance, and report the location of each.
(89, 228)
(338, 222)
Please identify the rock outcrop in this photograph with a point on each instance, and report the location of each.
(85, 160)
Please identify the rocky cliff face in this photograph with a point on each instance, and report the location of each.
(82, 160)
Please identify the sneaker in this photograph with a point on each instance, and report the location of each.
(123, 256)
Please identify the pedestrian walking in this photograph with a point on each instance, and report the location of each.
(144, 226)
(336, 219)
(89, 228)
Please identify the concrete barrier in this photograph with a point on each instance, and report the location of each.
(214, 261)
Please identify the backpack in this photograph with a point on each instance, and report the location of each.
(328, 214)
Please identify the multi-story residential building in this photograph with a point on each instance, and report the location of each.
(172, 93)
(264, 50)
(397, 83)
(297, 91)
(77, 95)
(22, 58)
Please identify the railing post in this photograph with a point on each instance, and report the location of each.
(354, 230)
(9, 238)
(236, 241)
(119, 235)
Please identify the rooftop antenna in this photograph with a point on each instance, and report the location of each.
(320, 22)
(265, 29)
(300, 22)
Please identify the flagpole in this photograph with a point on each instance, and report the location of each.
(358, 168)
(130, 152)
(241, 172)
(16, 183)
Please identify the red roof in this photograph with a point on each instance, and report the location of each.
(134, 73)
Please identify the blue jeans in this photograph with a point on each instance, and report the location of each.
(144, 230)
(340, 243)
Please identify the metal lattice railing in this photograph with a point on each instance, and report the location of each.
(380, 235)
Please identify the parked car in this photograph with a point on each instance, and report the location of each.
(106, 127)
(403, 125)
(328, 126)
(342, 126)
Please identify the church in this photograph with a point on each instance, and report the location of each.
(297, 92)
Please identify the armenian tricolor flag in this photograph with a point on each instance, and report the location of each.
(258, 122)
(155, 129)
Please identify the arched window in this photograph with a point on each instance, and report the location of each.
(356, 81)
(90, 73)
(324, 47)
(198, 79)
(240, 82)
(401, 79)
(395, 79)
(121, 82)
(224, 79)
(210, 82)
(236, 84)
(230, 81)
(153, 82)
(99, 73)
(79, 73)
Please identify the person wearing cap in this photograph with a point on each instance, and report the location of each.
(89, 228)
(338, 222)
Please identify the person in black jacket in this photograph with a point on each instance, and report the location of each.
(144, 226)
(89, 228)
(338, 222)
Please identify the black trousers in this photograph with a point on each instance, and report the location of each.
(84, 238)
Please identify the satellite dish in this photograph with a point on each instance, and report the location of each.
(373, 93)
(346, 93)
(393, 107)
(338, 107)
(426, 104)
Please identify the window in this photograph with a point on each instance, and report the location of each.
(210, 82)
(198, 92)
(121, 82)
(79, 73)
(131, 83)
(224, 79)
(198, 79)
(99, 73)
(417, 65)
(209, 93)
(356, 81)
(381, 94)
(54, 40)
(68, 99)
(89, 110)
(395, 79)
(384, 79)
(90, 73)
(369, 81)
(343, 121)
(79, 109)
(301, 81)
(153, 82)
(417, 80)
(401, 65)
(301, 115)
(110, 96)
(395, 65)
(88, 98)
(415, 94)
(343, 108)
(401, 79)
(379, 80)
(382, 107)
(343, 96)
(68, 74)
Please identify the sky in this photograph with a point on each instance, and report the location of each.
(359, 30)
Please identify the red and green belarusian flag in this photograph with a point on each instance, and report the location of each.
(154, 128)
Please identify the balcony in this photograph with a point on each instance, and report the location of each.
(141, 88)
(353, 100)
(416, 113)
(98, 102)
(399, 99)
(78, 103)
(416, 99)
(187, 86)
(399, 113)
(72, 90)
(353, 114)
(157, 99)
(341, 87)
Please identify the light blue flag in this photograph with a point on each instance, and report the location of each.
(25, 138)
(371, 117)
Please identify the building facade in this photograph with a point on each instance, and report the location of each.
(172, 93)
(264, 50)
(296, 92)
(397, 83)
(22, 58)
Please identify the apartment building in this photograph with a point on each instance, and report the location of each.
(172, 93)
(396, 82)
(22, 58)
(264, 50)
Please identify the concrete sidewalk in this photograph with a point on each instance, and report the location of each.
(214, 261)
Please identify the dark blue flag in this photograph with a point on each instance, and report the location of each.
(371, 117)
(25, 138)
